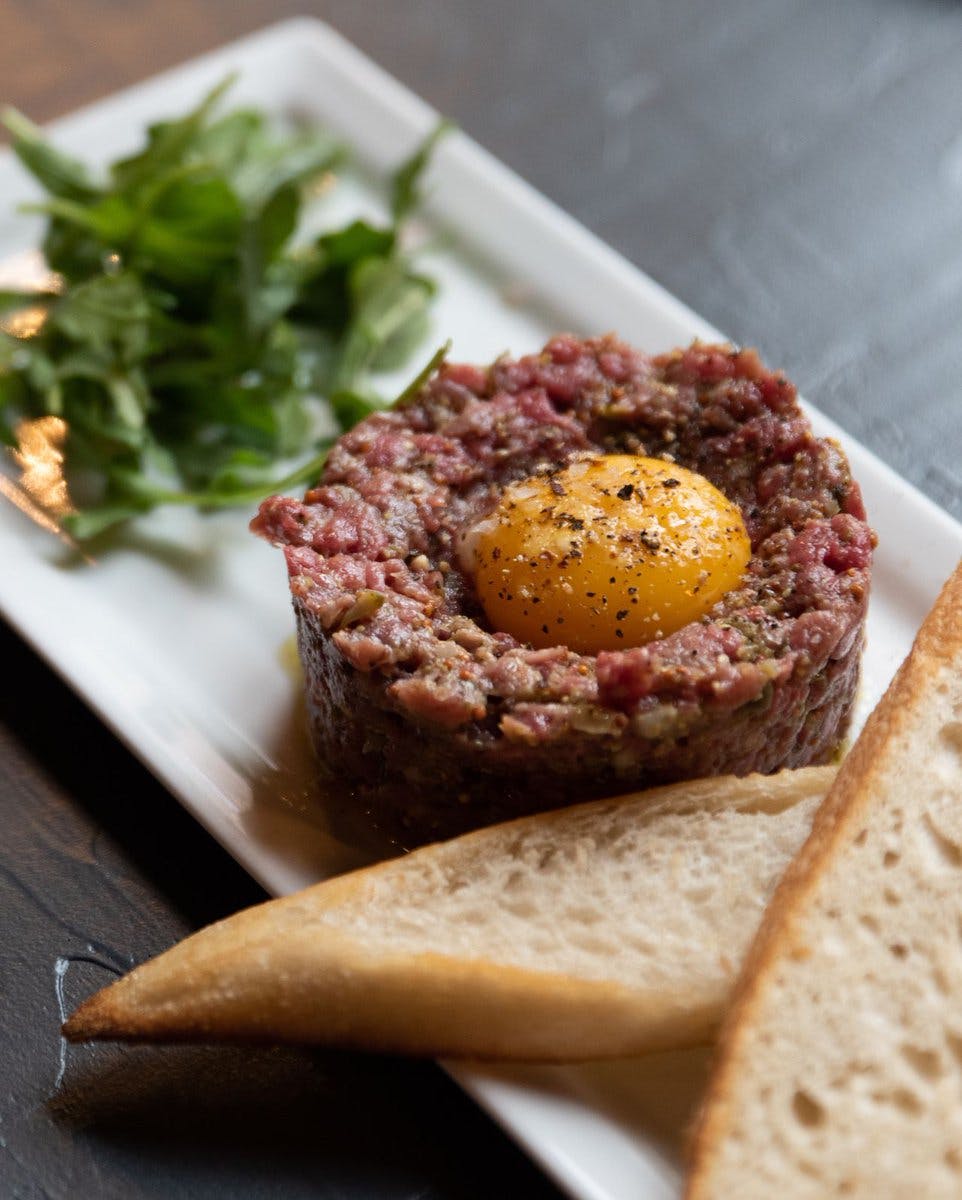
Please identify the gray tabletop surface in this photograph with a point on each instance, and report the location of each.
(790, 169)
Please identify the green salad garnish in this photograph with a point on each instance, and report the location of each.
(190, 334)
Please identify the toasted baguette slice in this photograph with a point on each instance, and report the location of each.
(606, 929)
(840, 1069)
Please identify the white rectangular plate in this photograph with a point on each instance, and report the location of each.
(180, 637)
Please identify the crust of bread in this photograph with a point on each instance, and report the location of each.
(478, 1010)
(281, 972)
(783, 932)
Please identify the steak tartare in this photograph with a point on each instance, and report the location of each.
(442, 723)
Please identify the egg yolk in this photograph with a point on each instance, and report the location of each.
(608, 553)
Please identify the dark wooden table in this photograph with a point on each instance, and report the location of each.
(792, 170)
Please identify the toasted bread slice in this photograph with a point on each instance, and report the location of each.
(605, 929)
(840, 1068)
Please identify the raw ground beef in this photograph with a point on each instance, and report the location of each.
(440, 723)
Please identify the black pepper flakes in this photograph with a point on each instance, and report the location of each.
(571, 521)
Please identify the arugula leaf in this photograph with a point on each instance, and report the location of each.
(405, 184)
(195, 334)
(109, 313)
(257, 178)
(388, 317)
(12, 298)
(351, 407)
(190, 230)
(90, 522)
(227, 141)
(168, 145)
(356, 242)
(60, 174)
(11, 396)
(433, 364)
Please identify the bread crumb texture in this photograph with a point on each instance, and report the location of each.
(841, 1071)
(653, 889)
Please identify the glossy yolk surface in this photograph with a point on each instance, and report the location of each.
(608, 553)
